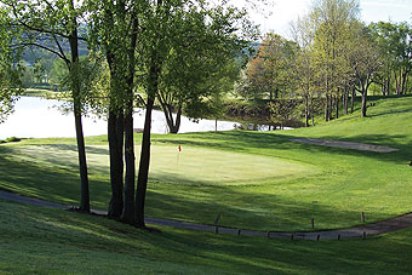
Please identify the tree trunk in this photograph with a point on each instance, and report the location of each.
(346, 101)
(385, 86)
(143, 174)
(398, 84)
(128, 215)
(337, 106)
(129, 209)
(404, 81)
(327, 115)
(352, 100)
(364, 102)
(84, 186)
(115, 136)
(144, 164)
(172, 124)
(330, 112)
(81, 148)
(306, 98)
(178, 119)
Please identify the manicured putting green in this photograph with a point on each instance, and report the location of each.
(188, 166)
(194, 164)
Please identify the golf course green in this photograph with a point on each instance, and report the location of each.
(255, 180)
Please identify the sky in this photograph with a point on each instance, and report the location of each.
(278, 15)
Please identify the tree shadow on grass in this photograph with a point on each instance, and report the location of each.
(100, 150)
(208, 252)
(54, 180)
(62, 185)
(241, 209)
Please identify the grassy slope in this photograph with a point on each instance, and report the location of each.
(332, 185)
(43, 241)
(38, 240)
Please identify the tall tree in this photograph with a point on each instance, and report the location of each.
(159, 24)
(365, 63)
(303, 31)
(47, 25)
(269, 70)
(115, 28)
(333, 22)
(201, 62)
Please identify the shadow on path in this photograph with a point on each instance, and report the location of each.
(362, 231)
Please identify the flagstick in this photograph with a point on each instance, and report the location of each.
(179, 149)
(177, 163)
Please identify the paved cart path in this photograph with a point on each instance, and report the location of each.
(362, 231)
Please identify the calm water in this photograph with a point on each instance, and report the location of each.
(41, 118)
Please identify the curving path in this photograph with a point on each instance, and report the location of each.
(362, 231)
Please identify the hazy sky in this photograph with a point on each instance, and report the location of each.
(284, 11)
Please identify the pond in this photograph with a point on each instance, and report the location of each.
(42, 118)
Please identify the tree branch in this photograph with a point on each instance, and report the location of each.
(32, 44)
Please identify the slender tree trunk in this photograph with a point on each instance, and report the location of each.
(388, 86)
(352, 100)
(143, 174)
(331, 107)
(404, 81)
(115, 136)
(307, 111)
(313, 121)
(346, 101)
(337, 106)
(129, 209)
(81, 148)
(327, 115)
(84, 186)
(176, 125)
(128, 215)
(364, 101)
(144, 164)
(398, 84)
(172, 124)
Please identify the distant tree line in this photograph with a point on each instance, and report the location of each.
(332, 59)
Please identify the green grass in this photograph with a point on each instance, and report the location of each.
(36, 240)
(256, 180)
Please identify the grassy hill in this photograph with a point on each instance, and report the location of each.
(256, 180)
(35, 240)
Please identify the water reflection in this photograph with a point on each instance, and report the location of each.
(41, 118)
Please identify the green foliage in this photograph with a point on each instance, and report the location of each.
(9, 68)
(393, 42)
(268, 73)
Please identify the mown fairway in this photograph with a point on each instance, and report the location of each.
(256, 180)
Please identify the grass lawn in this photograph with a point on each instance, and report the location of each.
(256, 180)
(36, 240)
